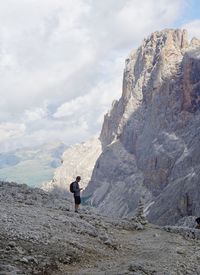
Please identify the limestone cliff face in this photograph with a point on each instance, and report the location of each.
(151, 136)
(76, 160)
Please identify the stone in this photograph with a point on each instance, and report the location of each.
(140, 213)
(12, 244)
(139, 226)
(108, 242)
(140, 268)
(24, 260)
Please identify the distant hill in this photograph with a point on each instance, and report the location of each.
(32, 166)
(78, 159)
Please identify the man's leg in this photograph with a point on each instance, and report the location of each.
(77, 202)
(76, 207)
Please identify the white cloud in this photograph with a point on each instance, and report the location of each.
(193, 28)
(34, 115)
(9, 131)
(92, 106)
(61, 62)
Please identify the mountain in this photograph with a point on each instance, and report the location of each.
(151, 137)
(31, 165)
(78, 159)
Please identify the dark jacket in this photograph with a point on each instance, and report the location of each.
(76, 189)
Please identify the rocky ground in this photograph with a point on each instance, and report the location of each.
(41, 234)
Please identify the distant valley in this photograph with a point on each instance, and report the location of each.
(32, 165)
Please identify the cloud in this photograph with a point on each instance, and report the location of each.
(11, 130)
(61, 62)
(34, 115)
(193, 28)
(97, 100)
(42, 48)
(122, 23)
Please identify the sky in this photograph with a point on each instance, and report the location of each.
(62, 61)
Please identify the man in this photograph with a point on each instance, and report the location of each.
(76, 191)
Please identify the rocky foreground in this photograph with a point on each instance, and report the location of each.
(41, 234)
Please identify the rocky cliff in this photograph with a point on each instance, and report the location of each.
(151, 136)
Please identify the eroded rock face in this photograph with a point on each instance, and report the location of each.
(151, 137)
(76, 160)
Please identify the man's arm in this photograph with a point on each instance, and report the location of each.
(76, 187)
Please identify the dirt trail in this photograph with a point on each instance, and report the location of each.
(151, 251)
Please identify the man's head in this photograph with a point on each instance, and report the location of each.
(78, 178)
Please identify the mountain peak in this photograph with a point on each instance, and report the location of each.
(176, 37)
(149, 137)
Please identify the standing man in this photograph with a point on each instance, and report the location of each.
(76, 190)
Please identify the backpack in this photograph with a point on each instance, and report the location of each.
(71, 187)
